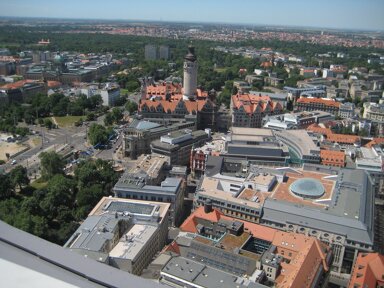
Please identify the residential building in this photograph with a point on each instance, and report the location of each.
(197, 163)
(347, 110)
(164, 52)
(373, 111)
(368, 271)
(171, 190)
(123, 233)
(322, 104)
(248, 110)
(178, 145)
(150, 52)
(109, 92)
(297, 92)
(308, 72)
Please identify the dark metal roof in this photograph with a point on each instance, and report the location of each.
(37, 254)
(191, 54)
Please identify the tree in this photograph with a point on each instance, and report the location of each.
(48, 123)
(19, 176)
(95, 101)
(117, 114)
(97, 134)
(6, 190)
(131, 106)
(59, 193)
(51, 164)
(108, 119)
(132, 86)
(91, 116)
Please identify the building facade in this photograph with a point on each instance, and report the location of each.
(249, 110)
(123, 233)
(322, 104)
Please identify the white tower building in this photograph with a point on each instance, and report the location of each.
(190, 75)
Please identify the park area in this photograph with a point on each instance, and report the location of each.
(67, 121)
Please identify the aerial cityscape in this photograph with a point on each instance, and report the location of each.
(201, 144)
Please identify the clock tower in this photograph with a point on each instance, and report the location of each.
(190, 75)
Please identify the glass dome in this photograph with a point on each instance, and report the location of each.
(307, 188)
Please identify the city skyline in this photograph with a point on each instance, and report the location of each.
(340, 14)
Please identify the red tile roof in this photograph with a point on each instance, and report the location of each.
(191, 106)
(256, 230)
(344, 139)
(305, 253)
(333, 137)
(319, 101)
(18, 84)
(375, 141)
(368, 270)
(253, 103)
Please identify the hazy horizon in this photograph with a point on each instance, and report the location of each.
(341, 14)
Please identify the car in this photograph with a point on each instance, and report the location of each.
(14, 161)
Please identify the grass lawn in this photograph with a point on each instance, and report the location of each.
(67, 121)
(39, 184)
(123, 91)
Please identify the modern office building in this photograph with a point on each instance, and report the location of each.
(27, 260)
(137, 137)
(255, 145)
(123, 233)
(171, 190)
(299, 120)
(177, 145)
(301, 145)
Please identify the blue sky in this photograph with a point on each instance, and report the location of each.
(353, 14)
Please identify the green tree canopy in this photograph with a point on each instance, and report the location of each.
(6, 190)
(51, 164)
(97, 134)
(19, 176)
(131, 107)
